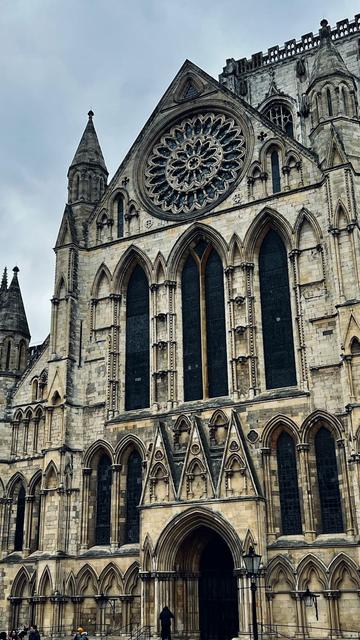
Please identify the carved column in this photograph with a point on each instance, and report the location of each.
(335, 234)
(114, 358)
(84, 538)
(249, 275)
(14, 436)
(294, 260)
(303, 453)
(233, 390)
(35, 439)
(48, 426)
(115, 505)
(266, 457)
(25, 424)
(171, 336)
(153, 341)
(242, 604)
(29, 501)
(348, 510)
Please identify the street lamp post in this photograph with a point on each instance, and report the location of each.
(252, 564)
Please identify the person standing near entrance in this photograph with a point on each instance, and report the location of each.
(165, 620)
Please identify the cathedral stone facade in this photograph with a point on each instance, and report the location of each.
(199, 391)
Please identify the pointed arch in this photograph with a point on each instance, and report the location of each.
(306, 566)
(235, 250)
(306, 215)
(338, 566)
(110, 573)
(127, 443)
(15, 480)
(265, 220)
(103, 272)
(279, 421)
(321, 416)
(133, 256)
(21, 581)
(70, 585)
(45, 586)
(160, 269)
(2, 489)
(61, 287)
(197, 231)
(341, 216)
(249, 541)
(219, 418)
(85, 575)
(131, 578)
(148, 553)
(280, 565)
(181, 525)
(51, 476)
(37, 477)
(95, 449)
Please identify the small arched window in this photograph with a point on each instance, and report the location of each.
(120, 216)
(137, 366)
(288, 485)
(8, 355)
(203, 316)
(275, 171)
(103, 500)
(133, 495)
(281, 115)
(22, 356)
(329, 102)
(355, 347)
(328, 482)
(89, 187)
(77, 187)
(276, 313)
(19, 525)
(344, 97)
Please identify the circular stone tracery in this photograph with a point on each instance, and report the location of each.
(195, 163)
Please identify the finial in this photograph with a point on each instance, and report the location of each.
(4, 281)
(90, 114)
(325, 31)
(16, 270)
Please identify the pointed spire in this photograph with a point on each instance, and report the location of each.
(328, 60)
(12, 311)
(89, 150)
(4, 282)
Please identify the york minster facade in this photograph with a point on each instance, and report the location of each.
(199, 390)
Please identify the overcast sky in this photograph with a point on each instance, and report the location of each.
(59, 58)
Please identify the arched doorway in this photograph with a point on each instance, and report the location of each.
(206, 562)
(218, 609)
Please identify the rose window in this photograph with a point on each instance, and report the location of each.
(195, 163)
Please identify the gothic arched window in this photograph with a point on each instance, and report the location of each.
(120, 216)
(276, 313)
(328, 482)
(20, 515)
(329, 102)
(275, 171)
(137, 367)
(103, 500)
(8, 355)
(281, 115)
(203, 316)
(288, 485)
(133, 494)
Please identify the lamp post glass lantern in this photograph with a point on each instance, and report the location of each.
(310, 600)
(252, 564)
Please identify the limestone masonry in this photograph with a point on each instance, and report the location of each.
(199, 391)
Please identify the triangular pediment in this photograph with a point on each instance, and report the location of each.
(159, 484)
(336, 154)
(237, 477)
(196, 481)
(194, 110)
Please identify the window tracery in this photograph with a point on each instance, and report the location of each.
(203, 315)
(328, 482)
(279, 114)
(195, 163)
(288, 485)
(137, 365)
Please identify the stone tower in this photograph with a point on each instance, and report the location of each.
(199, 392)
